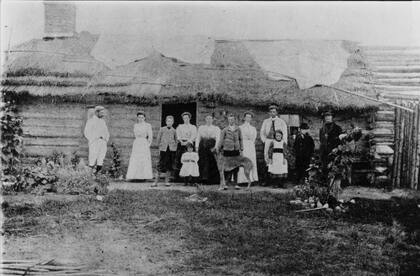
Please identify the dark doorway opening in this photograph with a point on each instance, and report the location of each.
(176, 110)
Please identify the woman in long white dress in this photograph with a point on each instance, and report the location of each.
(140, 165)
(249, 134)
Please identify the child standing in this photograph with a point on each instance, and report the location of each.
(304, 149)
(275, 157)
(167, 144)
(189, 169)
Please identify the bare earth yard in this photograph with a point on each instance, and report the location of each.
(158, 232)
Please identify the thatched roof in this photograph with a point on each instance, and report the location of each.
(60, 57)
(233, 77)
(168, 79)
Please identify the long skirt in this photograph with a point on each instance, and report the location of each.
(180, 150)
(249, 151)
(278, 168)
(207, 164)
(140, 164)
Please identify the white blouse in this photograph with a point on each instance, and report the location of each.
(186, 132)
(249, 132)
(144, 130)
(206, 131)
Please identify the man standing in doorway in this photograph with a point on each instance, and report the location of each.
(270, 126)
(328, 138)
(97, 134)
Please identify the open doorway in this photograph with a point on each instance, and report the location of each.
(176, 110)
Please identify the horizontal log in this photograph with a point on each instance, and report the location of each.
(48, 151)
(48, 122)
(383, 150)
(395, 88)
(382, 143)
(383, 132)
(407, 82)
(393, 62)
(384, 124)
(385, 116)
(40, 141)
(52, 131)
(392, 51)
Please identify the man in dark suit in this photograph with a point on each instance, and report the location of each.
(328, 138)
(304, 149)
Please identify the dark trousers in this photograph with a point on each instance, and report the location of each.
(302, 164)
(234, 172)
(166, 161)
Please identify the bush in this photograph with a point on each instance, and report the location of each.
(81, 181)
(28, 178)
(115, 169)
(56, 174)
(11, 134)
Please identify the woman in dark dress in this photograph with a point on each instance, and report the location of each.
(207, 138)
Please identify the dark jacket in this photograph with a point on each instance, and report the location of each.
(230, 140)
(328, 137)
(304, 147)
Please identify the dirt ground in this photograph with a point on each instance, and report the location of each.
(142, 231)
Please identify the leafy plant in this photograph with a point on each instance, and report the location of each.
(115, 169)
(74, 159)
(56, 173)
(11, 134)
(28, 178)
(317, 185)
(80, 181)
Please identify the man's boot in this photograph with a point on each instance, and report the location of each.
(167, 184)
(155, 184)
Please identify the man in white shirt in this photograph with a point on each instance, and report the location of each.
(270, 126)
(97, 134)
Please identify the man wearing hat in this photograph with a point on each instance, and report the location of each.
(328, 138)
(97, 134)
(304, 149)
(270, 126)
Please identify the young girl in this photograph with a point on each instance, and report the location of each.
(189, 169)
(276, 157)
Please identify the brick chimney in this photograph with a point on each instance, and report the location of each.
(60, 19)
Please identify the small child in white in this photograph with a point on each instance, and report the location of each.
(189, 169)
(276, 158)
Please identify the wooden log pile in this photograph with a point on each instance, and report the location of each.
(50, 267)
(382, 144)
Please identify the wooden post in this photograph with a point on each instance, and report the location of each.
(397, 125)
(416, 156)
(405, 150)
(400, 149)
(411, 161)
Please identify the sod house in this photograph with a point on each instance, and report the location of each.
(56, 81)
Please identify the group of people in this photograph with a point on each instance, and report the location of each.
(189, 153)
